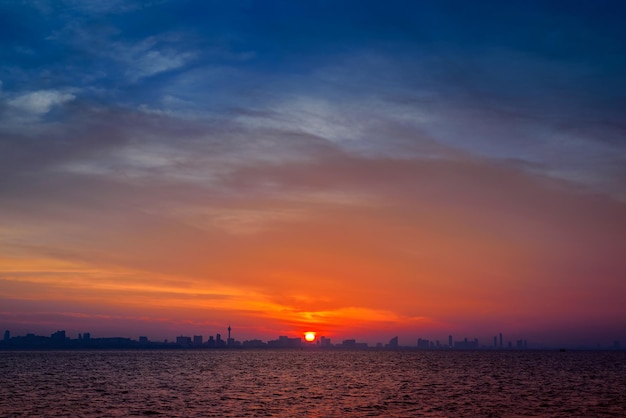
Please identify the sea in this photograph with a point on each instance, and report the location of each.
(312, 383)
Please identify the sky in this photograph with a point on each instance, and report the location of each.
(361, 169)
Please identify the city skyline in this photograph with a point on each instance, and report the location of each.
(344, 167)
(60, 338)
(216, 340)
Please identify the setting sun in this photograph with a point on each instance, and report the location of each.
(309, 336)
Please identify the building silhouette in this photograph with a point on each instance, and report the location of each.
(423, 344)
(466, 345)
(393, 343)
(253, 344)
(183, 341)
(351, 343)
(58, 337)
(230, 341)
(285, 342)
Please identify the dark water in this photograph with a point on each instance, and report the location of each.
(311, 383)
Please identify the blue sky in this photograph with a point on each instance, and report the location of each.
(538, 82)
(178, 121)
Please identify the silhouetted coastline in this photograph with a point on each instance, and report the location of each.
(59, 341)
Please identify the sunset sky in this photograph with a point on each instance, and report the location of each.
(362, 169)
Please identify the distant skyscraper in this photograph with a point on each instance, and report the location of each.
(393, 343)
(58, 336)
(183, 341)
(450, 341)
(500, 340)
(349, 343)
(197, 340)
(423, 344)
(229, 341)
(7, 335)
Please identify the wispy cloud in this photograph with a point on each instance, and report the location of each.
(148, 57)
(40, 102)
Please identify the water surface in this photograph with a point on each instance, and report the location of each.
(312, 383)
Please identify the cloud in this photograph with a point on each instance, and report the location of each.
(40, 102)
(145, 63)
(151, 55)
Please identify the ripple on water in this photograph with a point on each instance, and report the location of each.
(312, 383)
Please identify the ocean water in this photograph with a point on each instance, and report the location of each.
(312, 383)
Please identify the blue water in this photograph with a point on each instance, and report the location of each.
(312, 383)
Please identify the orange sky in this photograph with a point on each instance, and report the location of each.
(349, 247)
(358, 169)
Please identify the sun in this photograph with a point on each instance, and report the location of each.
(309, 336)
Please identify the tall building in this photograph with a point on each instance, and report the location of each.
(500, 340)
(450, 341)
(58, 336)
(197, 340)
(230, 341)
(183, 341)
(7, 335)
(324, 342)
(423, 344)
(349, 343)
(393, 343)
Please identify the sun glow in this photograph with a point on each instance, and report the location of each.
(309, 336)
